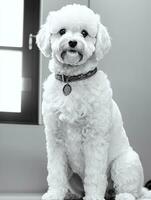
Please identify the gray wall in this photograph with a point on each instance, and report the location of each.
(128, 66)
(22, 147)
(22, 159)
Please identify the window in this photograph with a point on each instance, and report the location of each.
(19, 61)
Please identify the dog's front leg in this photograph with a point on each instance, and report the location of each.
(95, 181)
(57, 179)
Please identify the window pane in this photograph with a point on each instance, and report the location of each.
(10, 80)
(11, 22)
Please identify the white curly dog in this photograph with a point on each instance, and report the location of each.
(83, 125)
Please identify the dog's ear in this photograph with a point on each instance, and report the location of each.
(44, 35)
(103, 40)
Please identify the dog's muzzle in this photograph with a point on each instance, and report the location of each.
(71, 55)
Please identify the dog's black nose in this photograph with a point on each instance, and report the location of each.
(72, 43)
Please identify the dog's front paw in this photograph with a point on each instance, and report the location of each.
(124, 196)
(92, 198)
(53, 195)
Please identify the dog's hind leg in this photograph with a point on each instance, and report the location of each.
(127, 175)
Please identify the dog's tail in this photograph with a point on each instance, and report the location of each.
(146, 194)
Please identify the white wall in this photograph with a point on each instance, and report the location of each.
(22, 147)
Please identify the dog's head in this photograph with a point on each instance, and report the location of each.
(73, 35)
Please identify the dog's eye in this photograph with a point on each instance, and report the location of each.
(62, 31)
(84, 33)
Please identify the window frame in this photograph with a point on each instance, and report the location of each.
(30, 69)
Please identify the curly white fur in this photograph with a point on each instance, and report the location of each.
(84, 130)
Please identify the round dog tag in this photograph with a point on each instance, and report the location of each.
(67, 89)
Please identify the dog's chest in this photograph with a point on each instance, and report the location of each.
(85, 98)
(73, 139)
(80, 104)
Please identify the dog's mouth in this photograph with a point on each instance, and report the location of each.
(71, 56)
